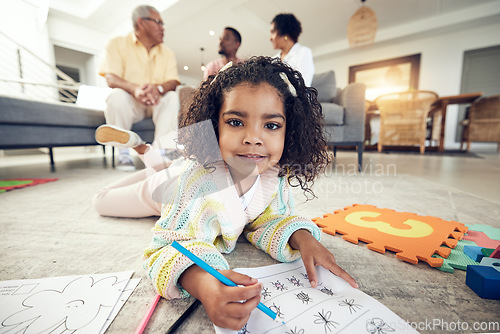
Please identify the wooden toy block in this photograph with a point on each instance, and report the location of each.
(411, 236)
(496, 253)
(490, 262)
(474, 252)
(484, 281)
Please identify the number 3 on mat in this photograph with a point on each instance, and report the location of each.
(417, 228)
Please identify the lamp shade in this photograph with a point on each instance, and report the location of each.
(362, 27)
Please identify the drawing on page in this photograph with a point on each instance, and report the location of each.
(352, 306)
(277, 310)
(327, 291)
(25, 289)
(378, 326)
(295, 281)
(265, 293)
(304, 297)
(323, 309)
(324, 319)
(279, 286)
(295, 331)
(72, 308)
(244, 330)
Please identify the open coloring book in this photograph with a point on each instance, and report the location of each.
(333, 307)
(70, 304)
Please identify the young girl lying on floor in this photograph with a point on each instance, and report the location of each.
(268, 126)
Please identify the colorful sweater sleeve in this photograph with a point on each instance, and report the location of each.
(272, 229)
(163, 263)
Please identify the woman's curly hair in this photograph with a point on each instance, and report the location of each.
(304, 154)
(287, 24)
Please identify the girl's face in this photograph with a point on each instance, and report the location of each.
(252, 127)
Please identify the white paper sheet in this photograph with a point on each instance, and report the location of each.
(131, 285)
(76, 304)
(333, 307)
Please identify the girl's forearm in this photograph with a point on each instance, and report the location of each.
(190, 279)
(299, 237)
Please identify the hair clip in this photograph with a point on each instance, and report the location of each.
(291, 88)
(225, 67)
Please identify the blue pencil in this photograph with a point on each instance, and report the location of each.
(205, 266)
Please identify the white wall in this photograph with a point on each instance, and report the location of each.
(23, 23)
(74, 37)
(441, 48)
(440, 64)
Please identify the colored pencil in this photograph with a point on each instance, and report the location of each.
(223, 279)
(147, 316)
(184, 316)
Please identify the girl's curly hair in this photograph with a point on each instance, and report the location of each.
(304, 154)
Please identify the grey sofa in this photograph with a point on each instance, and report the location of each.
(344, 111)
(35, 124)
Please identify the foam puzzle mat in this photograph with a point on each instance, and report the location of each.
(412, 237)
(481, 239)
(10, 184)
(457, 258)
(490, 231)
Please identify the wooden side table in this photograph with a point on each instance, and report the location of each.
(441, 104)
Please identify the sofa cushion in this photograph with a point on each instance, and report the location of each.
(145, 129)
(22, 111)
(326, 86)
(334, 114)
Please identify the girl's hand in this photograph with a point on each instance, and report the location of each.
(227, 307)
(313, 253)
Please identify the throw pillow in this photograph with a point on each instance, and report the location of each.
(326, 86)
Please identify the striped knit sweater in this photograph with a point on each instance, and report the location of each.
(203, 212)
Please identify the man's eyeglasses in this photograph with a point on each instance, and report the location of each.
(157, 21)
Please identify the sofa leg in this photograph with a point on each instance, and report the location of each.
(52, 164)
(334, 151)
(360, 148)
(104, 155)
(113, 157)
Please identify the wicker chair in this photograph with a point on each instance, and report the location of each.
(403, 118)
(483, 122)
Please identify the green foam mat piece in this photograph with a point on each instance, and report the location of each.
(487, 251)
(457, 258)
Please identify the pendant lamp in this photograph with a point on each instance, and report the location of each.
(362, 27)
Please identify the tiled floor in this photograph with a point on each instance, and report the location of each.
(476, 175)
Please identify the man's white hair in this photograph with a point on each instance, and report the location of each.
(142, 11)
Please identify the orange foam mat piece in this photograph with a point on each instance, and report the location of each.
(411, 236)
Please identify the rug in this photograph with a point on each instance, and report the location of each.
(9, 184)
(445, 153)
(429, 151)
(47, 229)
